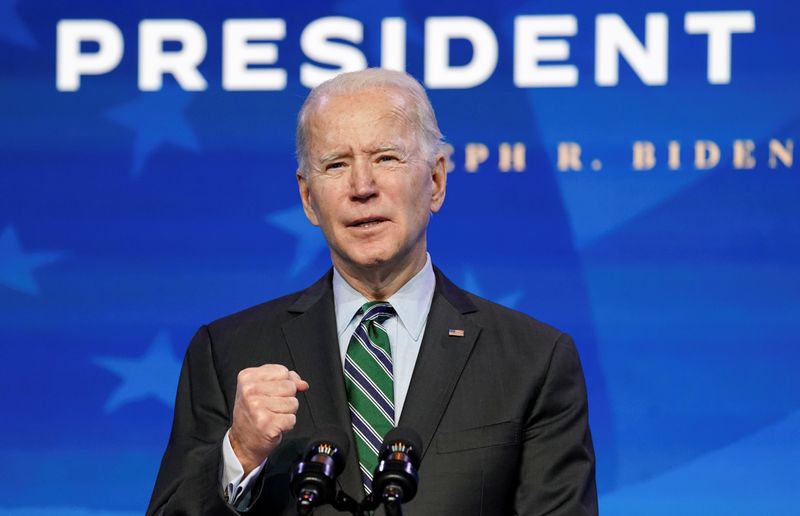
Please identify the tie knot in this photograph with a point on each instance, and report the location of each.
(376, 311)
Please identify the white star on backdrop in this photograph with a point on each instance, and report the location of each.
(157, 118)
(16, 265)
(153, 375)
(309, 239)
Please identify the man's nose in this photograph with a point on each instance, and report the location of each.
(362, 180)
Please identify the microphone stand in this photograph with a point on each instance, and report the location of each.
(346, 503)
(393, 501)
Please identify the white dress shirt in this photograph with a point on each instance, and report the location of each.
(412, 304)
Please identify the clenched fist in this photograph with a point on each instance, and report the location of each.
(265, 408)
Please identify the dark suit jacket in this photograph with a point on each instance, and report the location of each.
(502, 411)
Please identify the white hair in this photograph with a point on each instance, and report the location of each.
(420, 116)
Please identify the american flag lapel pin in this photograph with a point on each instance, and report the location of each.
(455, 332)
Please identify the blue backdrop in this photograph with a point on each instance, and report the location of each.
(129, 217)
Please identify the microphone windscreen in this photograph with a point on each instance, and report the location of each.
(407, 436)
(332, 434)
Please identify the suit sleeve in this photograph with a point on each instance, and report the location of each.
(557, 475)
(188, 481)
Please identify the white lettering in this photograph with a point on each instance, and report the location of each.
(243, 44)
(182, 64)
(316, 44)
(614, 38)
(393, 44)
(720, 27)
(71, 63)
(438, 33)
(530, 51)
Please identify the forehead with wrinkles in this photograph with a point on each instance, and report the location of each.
(413, 105)
(375, 119)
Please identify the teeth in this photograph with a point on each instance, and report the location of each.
(368, 223)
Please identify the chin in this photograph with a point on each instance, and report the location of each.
(371, 258)
(371, 261)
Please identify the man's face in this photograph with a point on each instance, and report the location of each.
(369, 187)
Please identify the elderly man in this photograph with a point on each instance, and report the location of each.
(383, 339)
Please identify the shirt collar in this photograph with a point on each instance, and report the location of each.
(412, 302)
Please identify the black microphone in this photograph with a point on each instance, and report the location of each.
(313, 479)
(395, 480)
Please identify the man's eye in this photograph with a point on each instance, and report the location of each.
(334, 165)
(385, 158)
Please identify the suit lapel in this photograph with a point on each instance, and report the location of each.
(314, 346)
(441, 359)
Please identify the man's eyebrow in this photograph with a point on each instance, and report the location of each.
(331, 156)
(388, 147)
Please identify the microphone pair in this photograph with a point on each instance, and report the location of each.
(394, 481)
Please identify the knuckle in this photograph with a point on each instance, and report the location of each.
(247, 389)
(290, 387)
(278, 370)
(243, 375)
(278, 388)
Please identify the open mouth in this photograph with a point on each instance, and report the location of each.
(367, 222)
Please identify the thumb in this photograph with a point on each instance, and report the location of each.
(302, 385)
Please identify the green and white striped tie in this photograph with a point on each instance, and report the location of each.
(369, 380)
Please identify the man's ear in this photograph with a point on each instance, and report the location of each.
(305, 198)
(439, 180)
